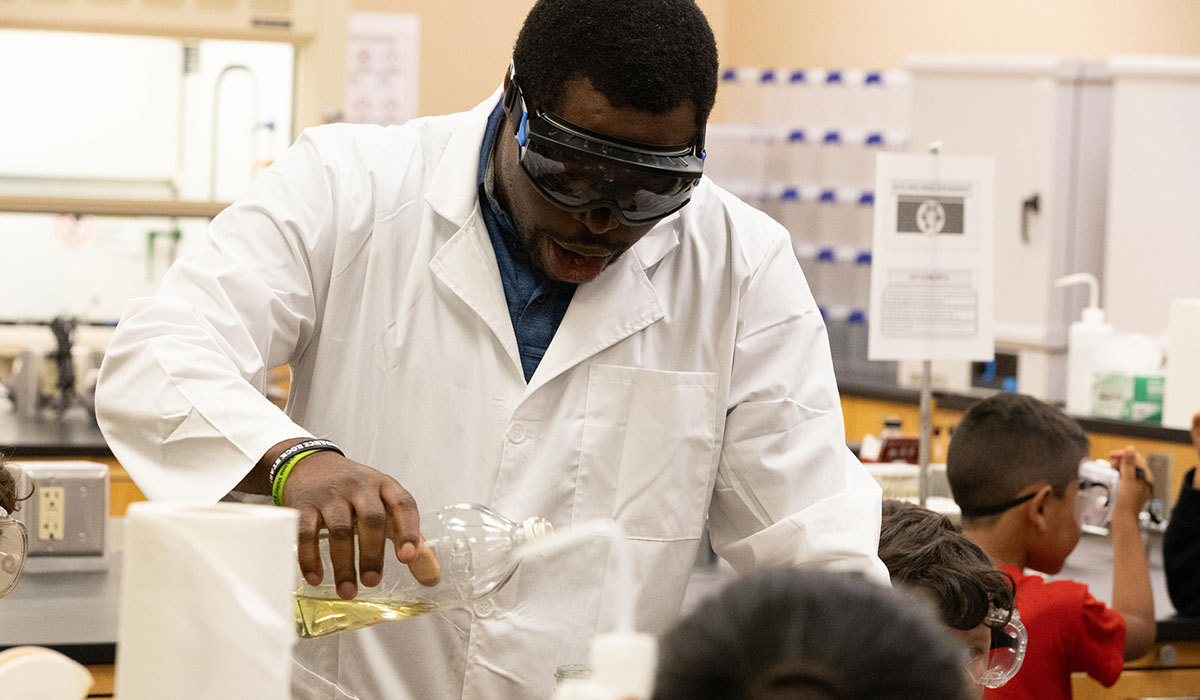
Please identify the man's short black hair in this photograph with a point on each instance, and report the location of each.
(651, 55)
(1007, 443)
(922, 549)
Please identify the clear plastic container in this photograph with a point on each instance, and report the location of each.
(824, 278)
(797, 215)
(860, 295)
(898, 99)
(473, 554)
(830, 153)
(825, 218)
(873, 102)
(835, 99)
(770, 98)
(857, 365)
(863, 221)
(835, 328)
(801, 153)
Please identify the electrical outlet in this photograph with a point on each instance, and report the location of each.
(51, 513)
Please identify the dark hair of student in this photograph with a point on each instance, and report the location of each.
(8, 488)
(652, 55)
(789, 634)
(1008, 442)
(924, 550)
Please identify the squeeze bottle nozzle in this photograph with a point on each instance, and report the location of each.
(1092, 313)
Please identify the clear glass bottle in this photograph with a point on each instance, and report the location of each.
(474, 550)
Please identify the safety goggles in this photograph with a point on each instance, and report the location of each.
(14, 545)
(580, 170)
(1007, 653)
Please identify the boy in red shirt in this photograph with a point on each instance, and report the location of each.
(1013, 467)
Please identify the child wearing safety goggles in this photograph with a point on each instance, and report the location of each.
(1019, 470)
(14, 543)
(925, 552)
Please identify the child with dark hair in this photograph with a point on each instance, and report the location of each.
(8, 489)
(1013, 467)
(923, 550)
(792, 634)
(14, 541)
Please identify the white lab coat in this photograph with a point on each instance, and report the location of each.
(689, 384)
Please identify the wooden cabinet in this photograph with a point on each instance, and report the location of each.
(1171, 671)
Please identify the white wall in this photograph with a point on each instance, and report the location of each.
(116, 116)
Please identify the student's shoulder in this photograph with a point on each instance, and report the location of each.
(719, 217)
(1058, 598)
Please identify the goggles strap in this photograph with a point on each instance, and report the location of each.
(996, 509)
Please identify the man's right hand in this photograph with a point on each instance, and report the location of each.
(344, 497)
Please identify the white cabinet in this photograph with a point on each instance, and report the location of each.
(1045, 121)
(1153, 244)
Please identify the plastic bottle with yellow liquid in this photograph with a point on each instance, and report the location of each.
(474, 554)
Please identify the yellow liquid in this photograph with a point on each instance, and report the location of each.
(317, 617)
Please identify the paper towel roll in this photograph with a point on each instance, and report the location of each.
(206, 602)
(1181, 395)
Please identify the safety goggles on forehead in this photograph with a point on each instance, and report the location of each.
(579, 170)
(1007, 652)
(14, 545)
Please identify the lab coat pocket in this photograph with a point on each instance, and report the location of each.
(647, 452)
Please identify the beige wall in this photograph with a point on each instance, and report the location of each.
(878, 33)
(465, 44)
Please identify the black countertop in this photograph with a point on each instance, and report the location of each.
(961, 402)
(1177, 629)
(73, 436)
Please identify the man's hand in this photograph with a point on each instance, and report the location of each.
(344, 497)
(1136, 484)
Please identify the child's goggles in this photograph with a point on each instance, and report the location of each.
(579, 170)
(1009, 640)
(1097, 493)
(14, 544)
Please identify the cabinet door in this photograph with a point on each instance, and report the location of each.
(1136, 684)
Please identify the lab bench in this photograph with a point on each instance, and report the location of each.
(1171, 670)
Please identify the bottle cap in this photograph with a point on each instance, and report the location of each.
(625, 663)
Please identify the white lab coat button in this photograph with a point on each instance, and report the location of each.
(484, 608)
(516, 433)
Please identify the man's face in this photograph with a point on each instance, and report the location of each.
(576, 247)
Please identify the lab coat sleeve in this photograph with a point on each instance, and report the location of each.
(788, 491)
(180, 398)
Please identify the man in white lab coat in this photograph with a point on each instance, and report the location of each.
(536, 305)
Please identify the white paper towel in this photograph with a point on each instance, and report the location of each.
(1181, 395)
(206, 602)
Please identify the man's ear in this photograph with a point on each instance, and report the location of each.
(1036, 510)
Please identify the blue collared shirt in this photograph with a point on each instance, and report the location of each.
(536, 303)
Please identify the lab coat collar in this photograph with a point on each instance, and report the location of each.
(604, 311)
(453, 191)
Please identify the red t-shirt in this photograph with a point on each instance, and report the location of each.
(1069, 631)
